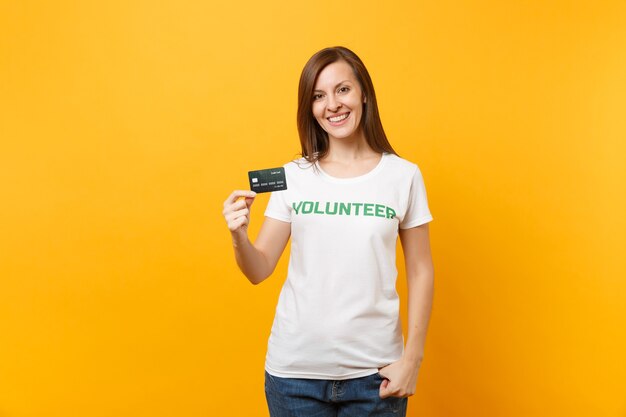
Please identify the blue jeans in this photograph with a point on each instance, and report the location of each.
(357, 397)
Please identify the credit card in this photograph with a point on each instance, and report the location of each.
(266, 180)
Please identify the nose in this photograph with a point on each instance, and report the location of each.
(332, 104)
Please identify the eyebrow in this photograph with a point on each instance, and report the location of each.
(338, 84)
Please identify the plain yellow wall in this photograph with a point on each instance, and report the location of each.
(125, 124)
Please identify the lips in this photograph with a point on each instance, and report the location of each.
(338, 118)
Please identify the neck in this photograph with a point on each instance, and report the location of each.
(351, 148)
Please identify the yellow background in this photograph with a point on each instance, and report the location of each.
(124, 125)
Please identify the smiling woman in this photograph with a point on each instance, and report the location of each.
(337, 107)
(336, 344)
(333, 85)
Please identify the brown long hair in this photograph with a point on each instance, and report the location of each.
(313, 138)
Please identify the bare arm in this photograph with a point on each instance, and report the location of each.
(420, 286)
(257, 261)
(402, 375)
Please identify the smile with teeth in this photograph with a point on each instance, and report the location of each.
(339, 118)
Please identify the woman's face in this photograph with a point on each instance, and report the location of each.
(338, 101)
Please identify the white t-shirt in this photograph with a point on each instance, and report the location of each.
(338, 312)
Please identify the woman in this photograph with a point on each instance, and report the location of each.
(336, 346)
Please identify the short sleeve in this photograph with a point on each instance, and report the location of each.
(417, 212)
(277, 207)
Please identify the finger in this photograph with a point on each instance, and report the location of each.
(237, 223)
(249, 201)
(238, 193)
(383, 392)
(242, 212)
(236, 214)
(237, 205)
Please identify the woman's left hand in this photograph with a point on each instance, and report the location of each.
(400, 379)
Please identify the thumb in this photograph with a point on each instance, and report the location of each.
(383, 391)
(249, 201)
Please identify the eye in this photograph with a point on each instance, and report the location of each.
(343, 89)
(317, 96)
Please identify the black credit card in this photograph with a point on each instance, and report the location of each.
(266, 180)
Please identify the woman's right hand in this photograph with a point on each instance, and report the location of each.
(256, 260)
(237, 213)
